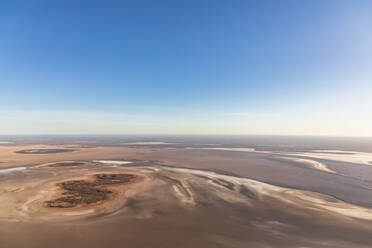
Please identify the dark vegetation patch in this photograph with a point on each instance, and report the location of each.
(44, 151)
(247, 192)
(80, 192)
(66, 164)
(224, 183)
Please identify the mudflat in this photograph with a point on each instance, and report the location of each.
(161, 193)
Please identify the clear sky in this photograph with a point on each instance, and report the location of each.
(186, 67)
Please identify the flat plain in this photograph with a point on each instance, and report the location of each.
(184, 192)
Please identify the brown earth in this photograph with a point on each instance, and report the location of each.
(83, 193)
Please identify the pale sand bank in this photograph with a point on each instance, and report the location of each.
(335, 155)
(311, 163)
(112, 162)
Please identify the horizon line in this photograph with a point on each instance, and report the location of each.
(180, 134)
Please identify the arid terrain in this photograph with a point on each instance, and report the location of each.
(184, 192)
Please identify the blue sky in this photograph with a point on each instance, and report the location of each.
(224, 67)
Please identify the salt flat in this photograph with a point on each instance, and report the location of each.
(279, 197)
